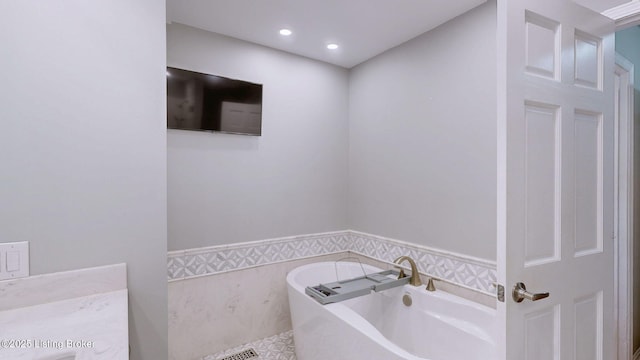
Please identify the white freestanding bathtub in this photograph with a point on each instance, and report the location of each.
(437, 326)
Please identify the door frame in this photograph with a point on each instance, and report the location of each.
(623, 209)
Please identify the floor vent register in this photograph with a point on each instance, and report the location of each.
(243, 355)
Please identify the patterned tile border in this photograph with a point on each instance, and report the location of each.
(461, 270)
(183, 264)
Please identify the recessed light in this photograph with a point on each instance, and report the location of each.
(332, 46)
(285, 32)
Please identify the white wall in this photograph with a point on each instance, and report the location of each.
(82, 145)
(422, 138)
(292, 180)
(628, 45)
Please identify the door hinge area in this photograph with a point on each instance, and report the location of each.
(499, 291)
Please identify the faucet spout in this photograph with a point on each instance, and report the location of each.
(415, 276)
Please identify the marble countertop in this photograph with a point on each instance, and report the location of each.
(81, 322)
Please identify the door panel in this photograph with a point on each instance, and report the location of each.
(588, 326)
(541, 337)
(542, 184)
(588, 182)
(555, 172)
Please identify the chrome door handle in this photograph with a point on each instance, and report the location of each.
(520, 293)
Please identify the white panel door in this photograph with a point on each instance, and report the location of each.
(555, 180)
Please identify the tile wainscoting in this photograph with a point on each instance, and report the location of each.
(209, 314)
(468, 272)
(223, 296)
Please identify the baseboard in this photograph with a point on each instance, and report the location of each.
(636, 356)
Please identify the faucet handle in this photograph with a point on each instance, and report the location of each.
(430, 285)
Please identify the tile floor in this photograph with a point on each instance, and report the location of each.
(278, 347)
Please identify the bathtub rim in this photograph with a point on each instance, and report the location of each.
(441, 294)
(344, 313)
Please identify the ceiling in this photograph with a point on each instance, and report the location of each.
(361, 28)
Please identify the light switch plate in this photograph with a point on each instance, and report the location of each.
(14, 260)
